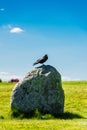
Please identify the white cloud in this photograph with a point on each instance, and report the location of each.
(16, 30)
(66, 78)
(12, 29)
(6, 76)
(4, 73)
(2, 9)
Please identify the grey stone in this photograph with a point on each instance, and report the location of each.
(40, 89)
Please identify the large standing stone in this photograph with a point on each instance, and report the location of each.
(40, 89)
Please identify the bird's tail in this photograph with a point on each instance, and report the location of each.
(35, 63)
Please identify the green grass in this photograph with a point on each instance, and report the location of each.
(74, 118)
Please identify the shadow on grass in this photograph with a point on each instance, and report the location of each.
(68, 115)
(38, 115)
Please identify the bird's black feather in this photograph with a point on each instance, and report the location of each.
(41, 60)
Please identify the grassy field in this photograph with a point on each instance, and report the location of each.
(74, 118)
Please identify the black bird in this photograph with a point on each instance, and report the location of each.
(41, 60)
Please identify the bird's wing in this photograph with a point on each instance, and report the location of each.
(37, 61)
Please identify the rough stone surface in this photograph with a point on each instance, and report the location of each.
(40, 89)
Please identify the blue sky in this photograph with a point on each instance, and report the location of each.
(30, 29)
